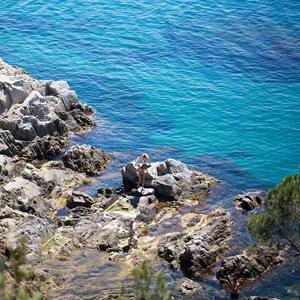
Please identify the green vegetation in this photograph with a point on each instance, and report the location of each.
(145, 288)
(281, 221)
(19, 283)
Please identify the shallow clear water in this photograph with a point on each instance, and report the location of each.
(214, 84)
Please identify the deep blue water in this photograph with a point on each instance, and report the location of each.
(215, 84)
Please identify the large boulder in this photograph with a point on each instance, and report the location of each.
(86, 159)
(201, 247)
(249, 266)
(170, 179)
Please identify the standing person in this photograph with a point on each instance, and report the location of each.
(144, 159)
(234, 286)
(131, 231)
(142, 170)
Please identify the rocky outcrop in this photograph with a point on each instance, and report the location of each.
(170, 179)
(86, 159)
(247, 202)
(36, 115)
(199, 250)
(249, 266)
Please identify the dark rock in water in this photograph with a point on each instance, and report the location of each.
(199, 250)
(249, 266)
(248, 202)
(171, 180)
(80, 199)
(86, 159)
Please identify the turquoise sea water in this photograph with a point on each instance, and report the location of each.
(216, 80)
(215, 84)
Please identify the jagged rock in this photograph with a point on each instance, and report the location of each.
(170, 179)
(247, 202)
(200, 249)
(31, 110)
(249, 266)
(107, 197)
(80, 199)
(85, 158)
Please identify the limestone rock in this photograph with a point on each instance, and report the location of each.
(37, 232)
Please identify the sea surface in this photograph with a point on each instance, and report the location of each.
(214, 84)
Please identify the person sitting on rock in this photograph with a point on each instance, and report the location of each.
(142, 170)
(144, 159)
(234, 286)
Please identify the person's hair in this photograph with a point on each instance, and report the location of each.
(234, 278)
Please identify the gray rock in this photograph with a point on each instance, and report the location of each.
(31, 110)
(249, 266)
(170, 179)
(200, 249)
(85, 158)
(80, 199)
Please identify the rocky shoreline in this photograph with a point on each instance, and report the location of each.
(36, 118)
